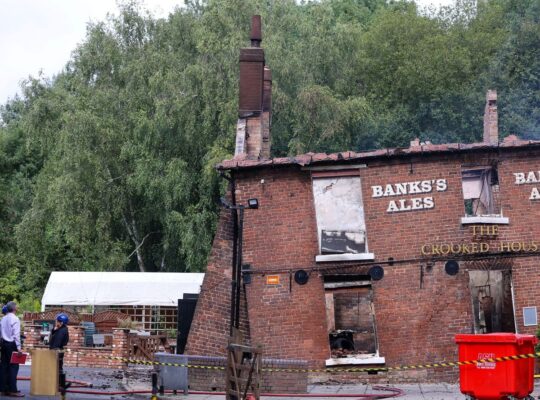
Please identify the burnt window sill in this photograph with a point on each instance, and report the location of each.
(366, 359)
(485, 219)
(344, 257)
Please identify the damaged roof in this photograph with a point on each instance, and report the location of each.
(241, 162)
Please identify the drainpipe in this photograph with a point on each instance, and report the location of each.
(238, 276)
(234, 274)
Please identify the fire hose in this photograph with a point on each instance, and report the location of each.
(395, 393)
(76, 384)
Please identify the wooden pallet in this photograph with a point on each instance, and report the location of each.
(243, 372)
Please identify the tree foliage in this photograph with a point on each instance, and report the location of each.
(110, 164)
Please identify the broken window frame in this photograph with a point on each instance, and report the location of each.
(345, 236)
(347, 285)
(480, 198)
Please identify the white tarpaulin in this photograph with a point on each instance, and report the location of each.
(119, 288)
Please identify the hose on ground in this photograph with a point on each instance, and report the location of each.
(395, 392)
(74, 382)
(76, 385)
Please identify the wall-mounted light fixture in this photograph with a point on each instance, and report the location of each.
(246, 274)
(253, 203)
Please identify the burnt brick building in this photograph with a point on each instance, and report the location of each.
(374, 258)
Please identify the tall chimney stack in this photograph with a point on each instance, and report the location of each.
(254, 105)
(491, 128)
(256, 31)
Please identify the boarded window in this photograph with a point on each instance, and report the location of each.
(479, 185)
(340, 215)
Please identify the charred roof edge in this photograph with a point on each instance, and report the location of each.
(350, 157)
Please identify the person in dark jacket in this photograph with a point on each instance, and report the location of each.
(60, 338)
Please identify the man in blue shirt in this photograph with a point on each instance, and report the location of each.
(10, 331)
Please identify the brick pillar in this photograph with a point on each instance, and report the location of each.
(76, 336)
(491, 128)
(73, 354)
(33, 336)
(120, 346)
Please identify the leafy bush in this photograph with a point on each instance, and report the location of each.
(128, 323)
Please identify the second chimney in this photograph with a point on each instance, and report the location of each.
(254, 105)
(252, 73)
(491, 128)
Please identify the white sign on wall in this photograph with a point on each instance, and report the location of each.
(406, 188)
(523, 178)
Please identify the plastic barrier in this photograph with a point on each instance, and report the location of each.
(44, 373)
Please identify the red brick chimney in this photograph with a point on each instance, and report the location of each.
(491, 130)
(254, 106)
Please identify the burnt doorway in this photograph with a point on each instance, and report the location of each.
(350, 316)
(492, 301)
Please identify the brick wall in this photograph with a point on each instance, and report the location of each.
(416, 318)
(523, 214)
(352, 310)
(210, 328)
(285, 318)
(76, 354)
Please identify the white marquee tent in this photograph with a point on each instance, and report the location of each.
(119, 288)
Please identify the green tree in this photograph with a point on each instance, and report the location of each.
(515, 70)
(110, 165)
(124, 183)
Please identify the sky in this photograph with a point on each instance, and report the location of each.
(39, 35)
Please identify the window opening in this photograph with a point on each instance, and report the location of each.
(491, 297)
(480, 186)
(339, 210)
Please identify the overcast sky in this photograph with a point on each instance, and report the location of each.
(39, 35)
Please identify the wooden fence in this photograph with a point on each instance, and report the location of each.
(144, 347)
